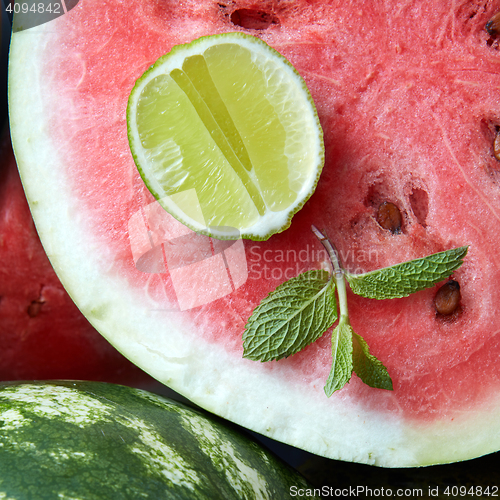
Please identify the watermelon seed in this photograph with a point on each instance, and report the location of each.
(34, 308)
(493, 25)
(389, 217)
(251, 19)
(496, 145)
(447, 299)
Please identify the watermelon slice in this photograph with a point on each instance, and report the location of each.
(43, 335)
(407, 95)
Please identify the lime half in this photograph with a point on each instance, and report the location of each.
(226, 136)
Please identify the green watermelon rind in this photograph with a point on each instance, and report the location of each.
(95, 440)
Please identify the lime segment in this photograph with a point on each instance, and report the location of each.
(230, 118)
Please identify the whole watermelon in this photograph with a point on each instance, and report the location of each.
(407, 95)
(103, 441)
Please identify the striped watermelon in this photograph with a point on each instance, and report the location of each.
(407, 95)
(103, 441)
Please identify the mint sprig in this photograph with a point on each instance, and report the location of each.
(300, 310)
(291, 317)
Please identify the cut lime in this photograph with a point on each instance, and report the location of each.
(226, 136)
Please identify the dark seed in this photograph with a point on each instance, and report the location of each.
(34, 308)
(447, 298)
(389, 217)
(496, 146)
(493, 25)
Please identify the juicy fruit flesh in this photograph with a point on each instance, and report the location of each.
(233, 124)
(410, 119)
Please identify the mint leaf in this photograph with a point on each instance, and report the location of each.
(341, 370)
(291, 317)
(367, 367)
(404, 279)
(300, 310)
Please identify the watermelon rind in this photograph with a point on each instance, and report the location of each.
(65, 439)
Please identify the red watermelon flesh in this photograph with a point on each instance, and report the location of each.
(408, 98)
(43, 335)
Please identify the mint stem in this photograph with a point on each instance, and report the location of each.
(338, 273)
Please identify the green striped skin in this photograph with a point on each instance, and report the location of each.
(90, 440)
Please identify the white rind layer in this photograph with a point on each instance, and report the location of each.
(167, 347)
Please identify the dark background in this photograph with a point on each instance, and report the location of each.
(3, 64)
